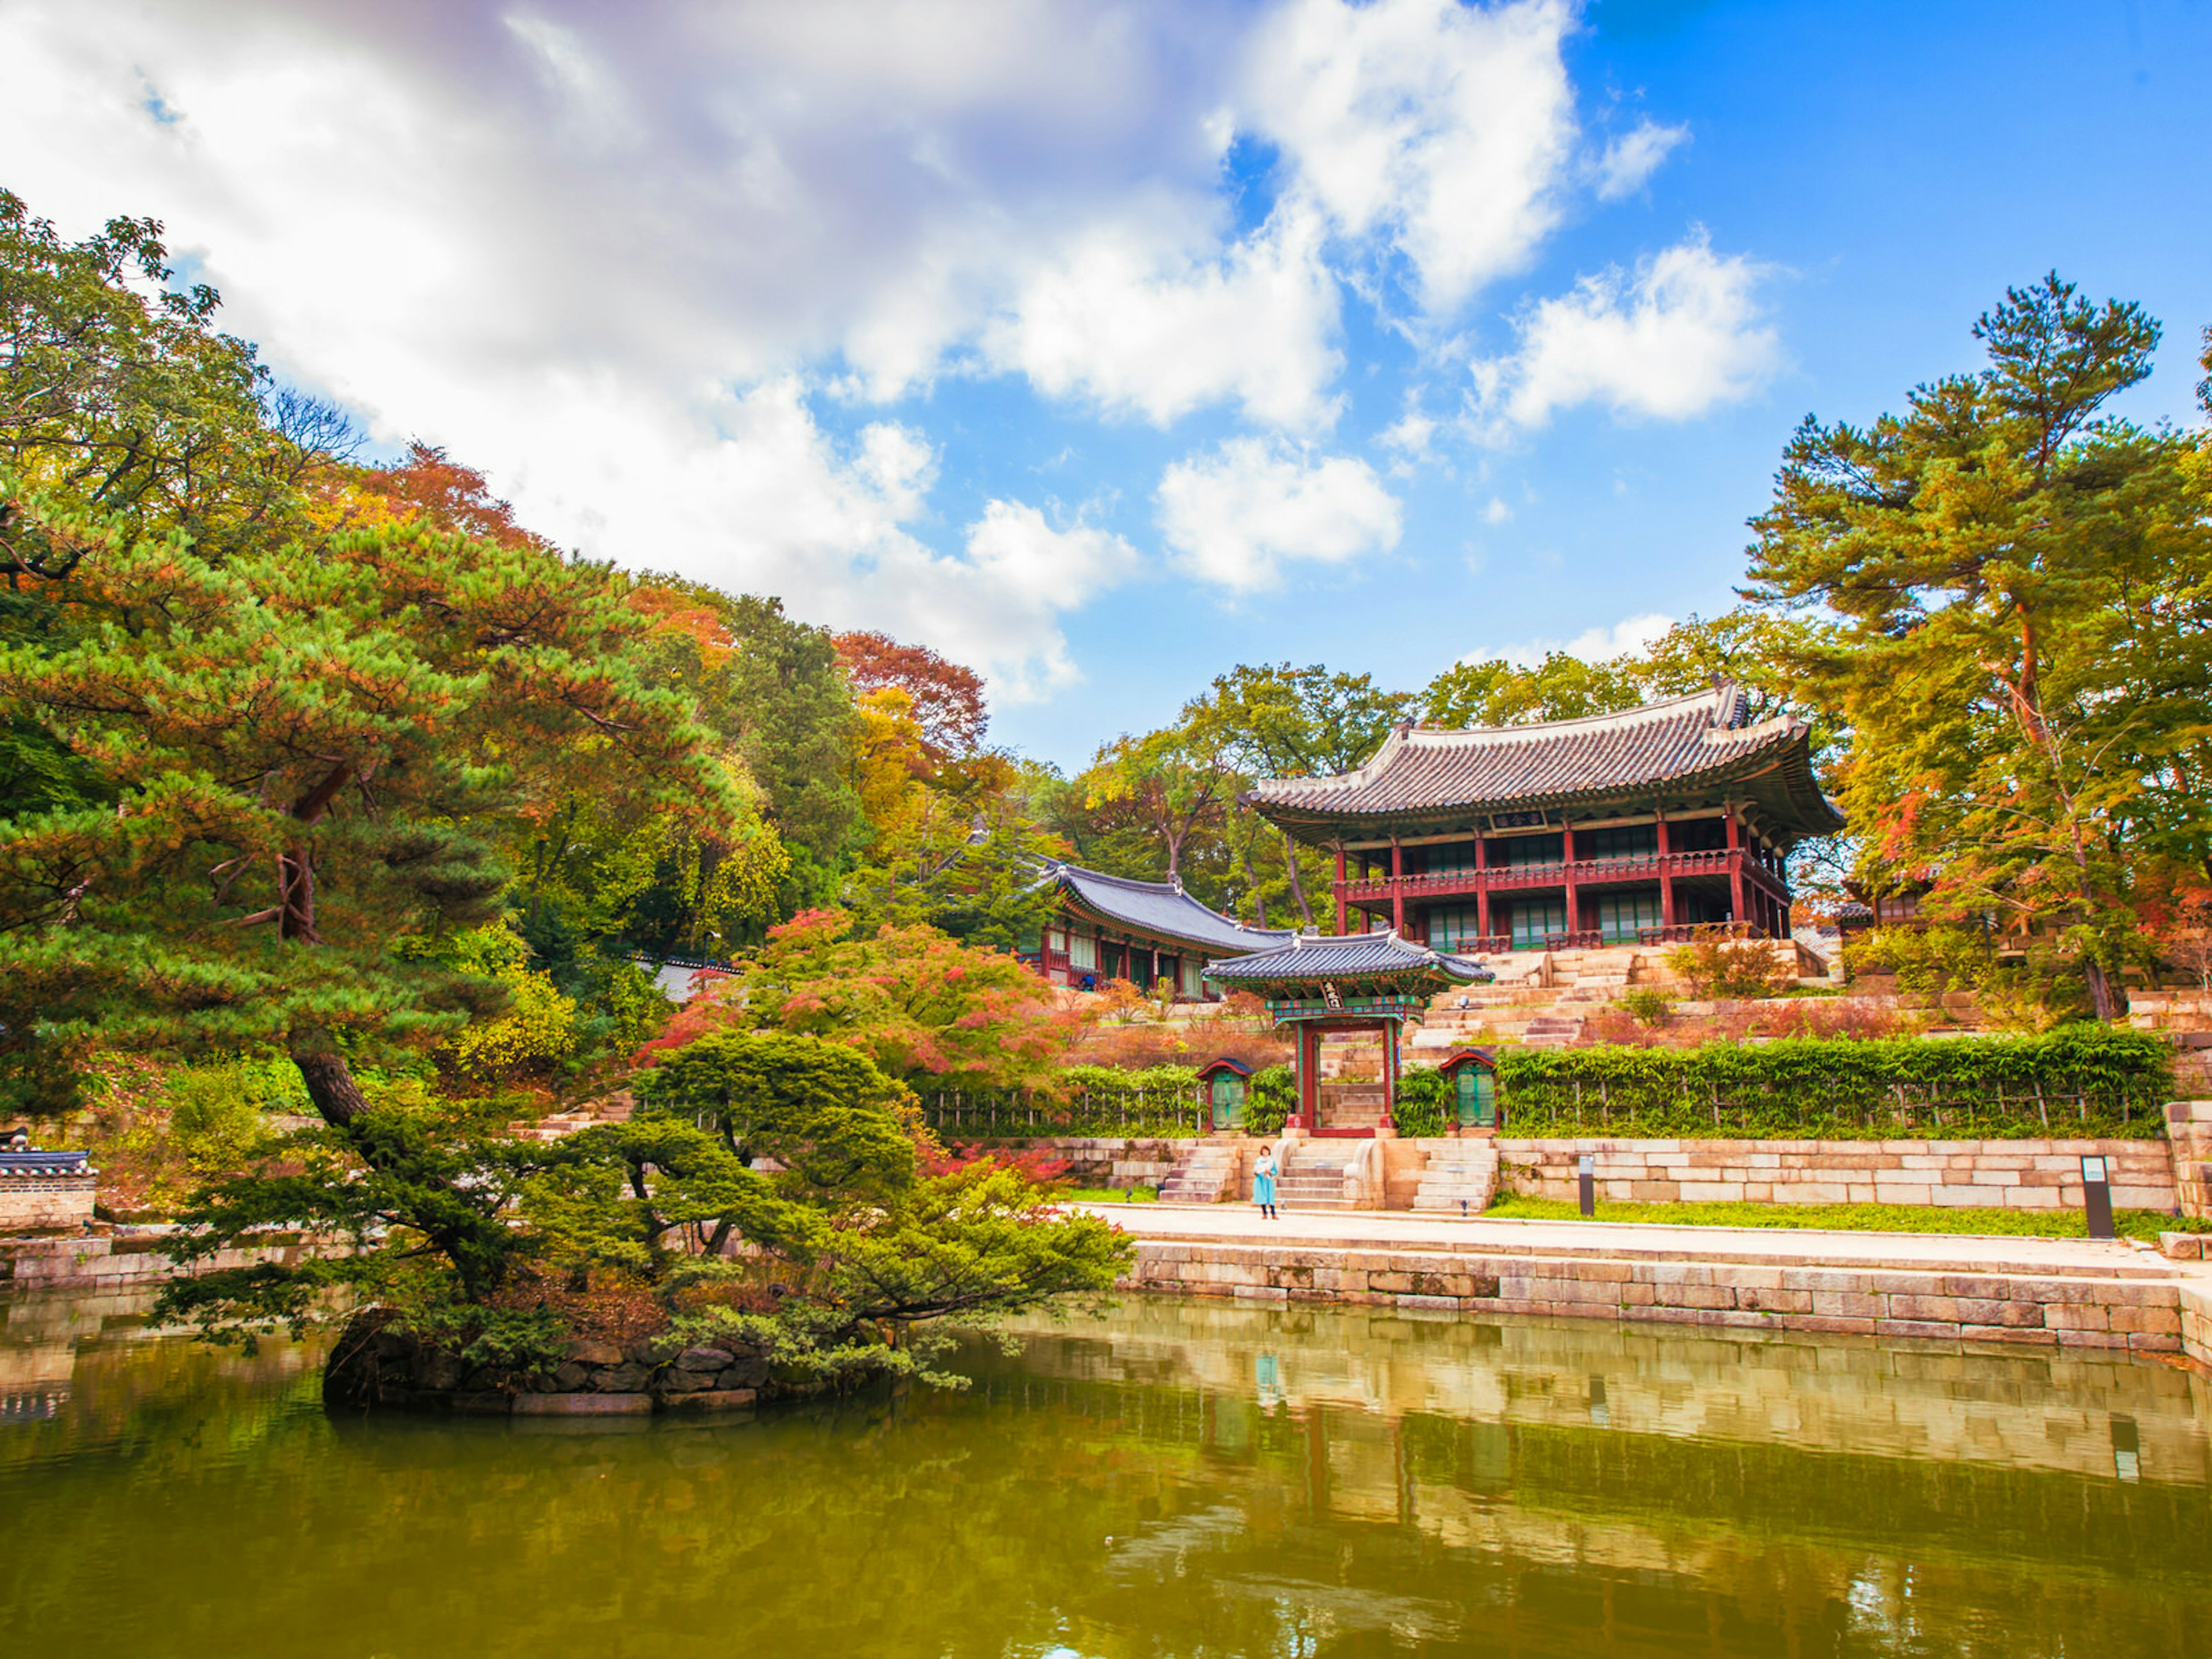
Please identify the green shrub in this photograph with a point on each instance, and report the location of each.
(1269, 1099)
(2078, 1080)
(1717, 966)
(1646, 1006)
(2032, 994)
(1421, 1104)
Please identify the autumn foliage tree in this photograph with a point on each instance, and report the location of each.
(923, 1007)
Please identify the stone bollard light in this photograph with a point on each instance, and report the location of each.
(2097, 1197)
(1586, 1178)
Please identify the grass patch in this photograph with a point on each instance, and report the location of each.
(1852, 1218)
(1111, 1195)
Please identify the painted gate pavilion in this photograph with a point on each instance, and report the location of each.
(1624, 828)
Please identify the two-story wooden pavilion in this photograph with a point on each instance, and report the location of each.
(1631, 828)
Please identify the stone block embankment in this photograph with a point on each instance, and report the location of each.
(2189, 1132)
(130, 1256)
(2011, 1175)
(2135, 1305)
(374, 1366)
(39, 1200)
(1120, 1161)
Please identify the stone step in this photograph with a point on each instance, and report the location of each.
(1200, 1176)
(1458, 1179)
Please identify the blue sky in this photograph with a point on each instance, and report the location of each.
(1105, 346)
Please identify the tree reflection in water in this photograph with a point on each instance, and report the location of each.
(1182, 1478)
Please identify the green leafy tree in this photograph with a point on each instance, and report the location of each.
(1174, 783)
(2022, 587)
(960, 855)
(1278, 722)
(1496, 692)
(119, 399)
(303, 743)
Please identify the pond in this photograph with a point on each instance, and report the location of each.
(1178, 1478)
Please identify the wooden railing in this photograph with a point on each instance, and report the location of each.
(1591, 939)
(1642, 866)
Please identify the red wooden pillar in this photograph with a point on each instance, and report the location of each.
(1342, 914)
(1735, 866)
(1481, 886)
(1389, 1073)
(1666, 877)
(1309, 1081)
(1397, 888)
(1567, 875)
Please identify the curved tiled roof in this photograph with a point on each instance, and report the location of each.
(1683, 742)
(1158, 907)
(1349, 957)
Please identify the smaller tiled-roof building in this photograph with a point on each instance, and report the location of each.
(1111, 927)
(1632, 827)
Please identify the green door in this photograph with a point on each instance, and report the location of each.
(1477, 1097)
(1228, 1102)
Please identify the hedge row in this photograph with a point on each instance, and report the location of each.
(2073, 1082)
(2079, 1081)
(1084, 1100)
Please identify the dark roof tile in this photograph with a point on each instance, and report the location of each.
(1684, 740)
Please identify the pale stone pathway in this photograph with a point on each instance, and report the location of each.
(1970, 1253)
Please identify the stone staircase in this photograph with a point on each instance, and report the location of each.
(1351, 1105)
(1540, 997)
(556, 1126)
(1312, 1176)
(1202, 1175)
(1460, 1178)
(1551, 1031)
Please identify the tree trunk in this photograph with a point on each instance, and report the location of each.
(1297, 885)
(330, 1083)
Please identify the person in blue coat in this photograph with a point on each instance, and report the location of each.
(1263, 1184)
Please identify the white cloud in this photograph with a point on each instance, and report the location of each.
(1444, 130)
(1629, 161)
(1035, 572)
(1633, 635)
(1496, 511)
(1161, 332)
(612, 254)
(1237, 517)
(1685, 332)
(1411, 433)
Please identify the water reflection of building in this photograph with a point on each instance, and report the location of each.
(2052, 1410)
(1669, 1477)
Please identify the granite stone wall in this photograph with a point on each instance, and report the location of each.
(2114, 1310)
(41, 1200)
(2013, 1175)
(2189, 1131)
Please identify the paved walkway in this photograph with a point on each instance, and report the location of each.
(1240, 1224)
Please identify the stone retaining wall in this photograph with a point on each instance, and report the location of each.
(108, 1262)
(2053, 1310)
(2189, 1130)
(374, 1367)
(1108, 1161)
(42, 1200)
(2013, 1174)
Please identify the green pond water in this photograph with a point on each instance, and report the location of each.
(1178, 1478)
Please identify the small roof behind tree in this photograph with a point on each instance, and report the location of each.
(1156, 909)
(1214, 1068)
